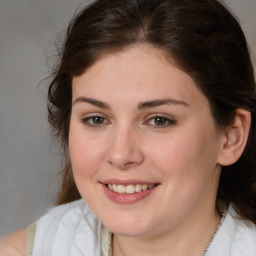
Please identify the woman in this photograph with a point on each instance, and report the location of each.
(154, 103)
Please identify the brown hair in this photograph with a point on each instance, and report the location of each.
(204, 39)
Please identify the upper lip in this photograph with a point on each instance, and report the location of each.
(128, 182)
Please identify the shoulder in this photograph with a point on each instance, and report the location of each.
(245, 237)
(14, 245)
(236, 237)
(244, 228)
(71, 227)
(77, 209)
(69, 217)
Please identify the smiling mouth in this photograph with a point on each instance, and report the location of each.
(130, 189)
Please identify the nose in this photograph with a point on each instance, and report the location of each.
(124, 151)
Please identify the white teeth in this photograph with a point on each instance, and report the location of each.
(144, 187)
(115, 187)
(138, 188)
(120, 189)
(129, 189)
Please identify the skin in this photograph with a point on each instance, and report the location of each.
(182, 152)
(14, 245)
(182, 156)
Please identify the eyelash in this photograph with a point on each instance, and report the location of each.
(89, 121)
(167, 121)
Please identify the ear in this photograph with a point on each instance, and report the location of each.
(234, 138)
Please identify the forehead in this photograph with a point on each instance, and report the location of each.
(140, 71)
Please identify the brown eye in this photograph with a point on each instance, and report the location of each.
(94, 121)
(97, 120)
(160, 121)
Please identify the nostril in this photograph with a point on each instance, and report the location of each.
(128, 163)
(124, 159)
(124, 164)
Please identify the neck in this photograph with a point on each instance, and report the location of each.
(177, 241)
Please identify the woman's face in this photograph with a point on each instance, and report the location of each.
(143, 144)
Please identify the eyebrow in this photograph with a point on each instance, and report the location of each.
(141, 105)
(93, 102)
(156, 103)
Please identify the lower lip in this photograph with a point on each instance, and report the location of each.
(127, 198)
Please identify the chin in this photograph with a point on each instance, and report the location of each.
(128, 226)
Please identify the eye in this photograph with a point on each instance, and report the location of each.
(94, 121)
(160, 121)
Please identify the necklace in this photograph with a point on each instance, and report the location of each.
(119, 246)
(207, 247)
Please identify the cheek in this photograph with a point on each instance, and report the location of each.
(187, 167)
(85, 157)
(84, 152)
(185, 154)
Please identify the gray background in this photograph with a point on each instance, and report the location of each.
(29, 161)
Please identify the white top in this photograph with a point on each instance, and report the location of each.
(73, 230)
